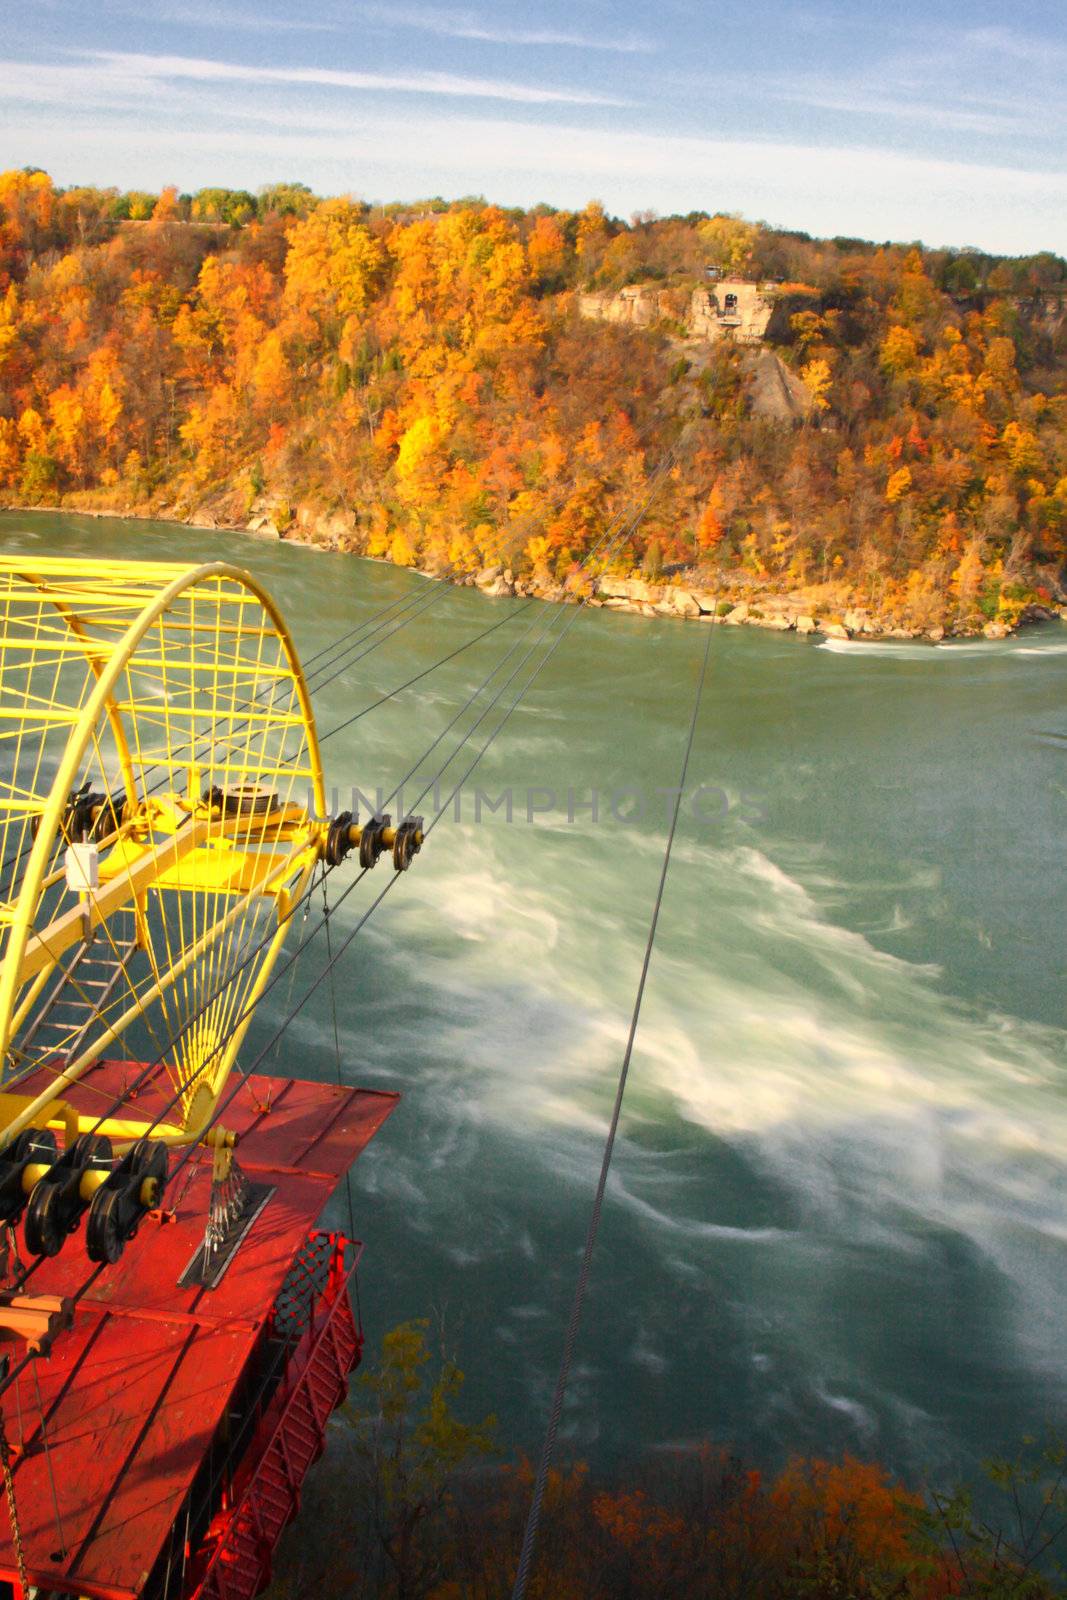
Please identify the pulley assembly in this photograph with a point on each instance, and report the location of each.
(162, 818)
(373, 838)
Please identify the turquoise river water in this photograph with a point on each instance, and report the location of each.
(837, 1218)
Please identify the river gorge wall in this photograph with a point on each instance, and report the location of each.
(734, 599)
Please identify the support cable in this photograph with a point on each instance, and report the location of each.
(440, 662)
(395, 625)
(363, 628)
(529, 1540)
(336, 1041)
(62, 1548)
(569, 618)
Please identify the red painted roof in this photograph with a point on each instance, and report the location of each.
(133, 1393)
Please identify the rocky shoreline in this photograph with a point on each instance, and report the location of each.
(673, 597)
(776, 612)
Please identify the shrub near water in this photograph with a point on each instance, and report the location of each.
(415, 1504)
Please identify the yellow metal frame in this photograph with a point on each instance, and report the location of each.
(169, 842)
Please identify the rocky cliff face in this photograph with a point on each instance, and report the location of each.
(774, 392)
(731, 309)
(1045, 313)
(638, 306)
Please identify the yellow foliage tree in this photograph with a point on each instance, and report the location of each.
(166, 207)
(729, 240)
(898, 485)
(817, 377)
(334, 263)
(1023, 449)
(10, 451)
(900, 351)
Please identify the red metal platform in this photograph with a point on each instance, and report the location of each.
(136, 1397)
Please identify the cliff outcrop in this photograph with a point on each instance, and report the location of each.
(731, 308)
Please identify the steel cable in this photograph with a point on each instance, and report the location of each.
(529, 1540)
(569, 620)
(569, 616)
(244, 1073)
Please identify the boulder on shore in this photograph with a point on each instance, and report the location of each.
(635, 589)
(806, 625)
(684, 602)
(1036, 613)
(835, 630)
(738, 615)
(497, 589)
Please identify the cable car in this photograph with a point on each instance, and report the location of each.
(175, 1324)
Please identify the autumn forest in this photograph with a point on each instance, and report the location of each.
(419, 380)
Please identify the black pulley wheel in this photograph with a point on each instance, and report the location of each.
(117, 1207)
(56, 1204)
(32, 1147)
(371, 843)
(46, 1224)
(408, 843)
(337, 841)
(149, 1159)
(105, 1237)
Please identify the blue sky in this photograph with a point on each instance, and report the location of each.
(942, 120)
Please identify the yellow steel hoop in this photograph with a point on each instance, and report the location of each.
(161, 804)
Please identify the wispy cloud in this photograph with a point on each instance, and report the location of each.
(937, 82)
(54, 84)
(198, 137)
(1005, 42)
(205, 16)
(860, 100)
(220, 17)
(173, 68)
(466, 25)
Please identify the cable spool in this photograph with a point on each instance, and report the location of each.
(242, 800)
(203, 844)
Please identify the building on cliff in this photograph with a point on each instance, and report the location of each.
(729, 308)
